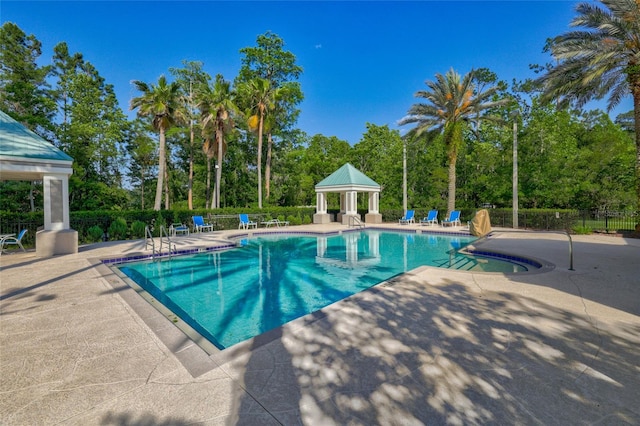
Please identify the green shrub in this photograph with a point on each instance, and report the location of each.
(94, 233)
(118, 229)
(137, 229)
(306, 220)
(582, 230)
(294, 220)
(160, 222)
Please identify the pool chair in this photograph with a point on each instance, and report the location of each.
(11, 239)
(178, 229)
(453, 220)
(407, 218)
(245, 223)
(431, 219)
(199, 225)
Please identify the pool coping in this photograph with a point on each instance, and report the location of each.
(197, 354)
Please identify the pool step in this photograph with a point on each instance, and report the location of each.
(461, 263)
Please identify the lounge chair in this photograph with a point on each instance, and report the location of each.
(245, 222)
(13, 240)
(199, 225)
(178, 228)
(453, 220)
(276, 222)
(431, 219)
(407, 218)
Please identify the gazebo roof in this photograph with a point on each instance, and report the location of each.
(18, 141)
(25, 155)
(348, 177)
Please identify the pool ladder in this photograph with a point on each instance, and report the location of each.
(150, 241)
(355, 221)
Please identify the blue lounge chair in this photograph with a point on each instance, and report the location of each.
(199, 225)
(454, 219)
(407, 218)
(245, 222)
(13, 240)
(431, 219)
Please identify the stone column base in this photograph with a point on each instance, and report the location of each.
(320, 218)
(345, 218)
(52, 243)
(373, 218)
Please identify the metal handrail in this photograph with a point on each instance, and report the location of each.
(148, 240)
(552, 232)
(355, 221)
(164, 234)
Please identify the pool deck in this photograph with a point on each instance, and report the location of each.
(434, 346)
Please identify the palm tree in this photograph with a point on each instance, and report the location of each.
(602, 59)
(260, 97)
(158, 102)
(218, 108)
(452, 102)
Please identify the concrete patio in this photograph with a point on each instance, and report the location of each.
(434, 346)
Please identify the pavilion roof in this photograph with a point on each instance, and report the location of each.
(348, 176)
(18, 141)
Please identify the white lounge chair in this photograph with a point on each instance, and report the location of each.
(407, 218)
(199, 225)
(13, 240)
(431, 219)
(245, 222)
(453, 220)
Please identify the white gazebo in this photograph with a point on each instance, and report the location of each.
(347, 181)
(26, 156)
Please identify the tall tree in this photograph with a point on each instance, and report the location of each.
(191, 79)
(603, 58)
(259, 96)
(218, 109)
(268, 60)
(158, 102)
(452, 102)
(142, 156)
(24, 91)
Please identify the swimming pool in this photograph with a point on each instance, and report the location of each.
(233, 295)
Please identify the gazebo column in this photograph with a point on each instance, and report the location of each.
(350, 206)
(373, 216)
(321, 215)
(57, 236)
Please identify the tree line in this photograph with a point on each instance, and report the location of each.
(209, 142)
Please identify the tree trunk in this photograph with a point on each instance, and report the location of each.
(166, 188)
(206, 202)
(452, 137)
(161, 168)
(31, 198)
(190, 193)
(260, 126)
(142, 188)
(451, 200)
(219, 137)
(267, 168)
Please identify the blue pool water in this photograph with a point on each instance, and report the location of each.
(233, 295)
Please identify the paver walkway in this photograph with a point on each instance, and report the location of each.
(77, 347)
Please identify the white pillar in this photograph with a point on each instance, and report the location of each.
(56, 202)
(373, 202)
(351, 202)
(321, 203)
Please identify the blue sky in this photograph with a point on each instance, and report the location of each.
(362, 61)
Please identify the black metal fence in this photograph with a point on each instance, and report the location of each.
(596, 221)
(568, 220)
